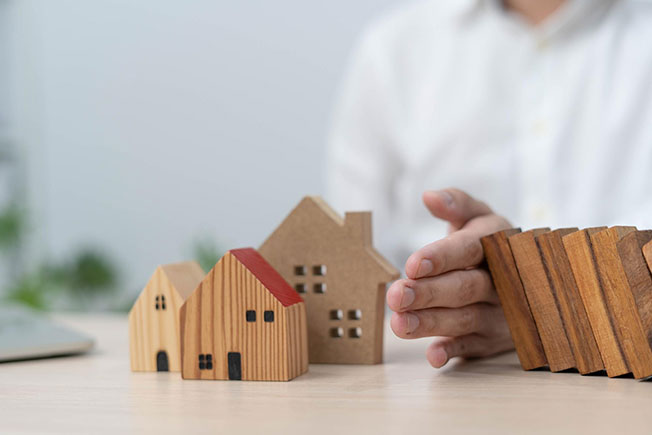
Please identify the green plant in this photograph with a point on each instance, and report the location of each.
(11, 227)
(207, 253)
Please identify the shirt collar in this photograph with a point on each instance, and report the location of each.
(570, 16)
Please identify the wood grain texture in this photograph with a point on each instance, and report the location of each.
(541, 300)
(345, 319)
(569, 301)
(630, 249)
(583, 263)
(620, 300)
(153, 330)
(647, 253)
(214, 322)
(510, 290)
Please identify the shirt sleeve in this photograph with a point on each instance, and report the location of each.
(361, 167)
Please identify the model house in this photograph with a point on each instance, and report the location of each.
(332, 264)
(154, 319)
(243, 322)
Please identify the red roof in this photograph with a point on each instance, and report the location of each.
(267, 275)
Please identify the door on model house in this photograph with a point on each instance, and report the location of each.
(235, 369)
(162, 361)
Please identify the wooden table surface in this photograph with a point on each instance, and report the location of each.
(96, 393)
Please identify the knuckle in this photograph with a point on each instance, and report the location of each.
(465, 288)
(468, 319)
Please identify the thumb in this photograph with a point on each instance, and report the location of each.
(455, 206)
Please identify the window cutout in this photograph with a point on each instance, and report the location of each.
(300, 288)
(300, 270)
(355, 314)
(202, 363)
(355, 332)
(268, 316)
(336, 315)
(336, 332)
(205, 361)
(319, 287)
(156, 305)
(319, 270)
(162, 302)
(250, 315)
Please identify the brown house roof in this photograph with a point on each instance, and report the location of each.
(184, 277)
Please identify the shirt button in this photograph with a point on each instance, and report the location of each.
(540, 127)
(540, 213)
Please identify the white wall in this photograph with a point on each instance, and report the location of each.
(149, 123)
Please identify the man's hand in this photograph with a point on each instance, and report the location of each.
(446, 294)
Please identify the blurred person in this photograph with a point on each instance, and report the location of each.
(538, 112)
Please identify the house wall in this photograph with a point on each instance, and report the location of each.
(309, 237)
(214, 323)
(152, 330)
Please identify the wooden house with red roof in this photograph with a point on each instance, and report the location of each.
(243, 322)
(332, 263)
(154, 318)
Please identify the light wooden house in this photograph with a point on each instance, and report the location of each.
(332, 264)
(243, 322)
(154, 318)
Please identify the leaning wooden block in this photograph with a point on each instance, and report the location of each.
(585, 270)
(510, 290)
(634, 305)
(243, 322)
(154, 318)
(647, 253)
(620, 301)
(332, 263)
(541, 299)
(567, 295)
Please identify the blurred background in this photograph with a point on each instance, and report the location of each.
(141, 132)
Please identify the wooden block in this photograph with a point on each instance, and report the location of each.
(633, 337)
(638, 274)
(583, 263)
(567, 295)
(243, 322)
(154, 318)
(512, 297)
(647, 253)
(331, 262)
(541, 299)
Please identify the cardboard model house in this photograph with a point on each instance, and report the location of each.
(332, 264)
(243, 322)
(154, 319)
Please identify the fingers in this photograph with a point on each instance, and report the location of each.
(454, 206)
(443, 349)
(452, 290)
(450, 322)
(460, 250)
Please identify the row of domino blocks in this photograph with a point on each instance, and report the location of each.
(576, 299)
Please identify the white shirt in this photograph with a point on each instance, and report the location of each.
(551, 126)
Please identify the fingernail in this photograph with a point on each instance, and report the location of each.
(407, 297)
(425, 267)
(439, 358)
(412, 322)
(448, 198)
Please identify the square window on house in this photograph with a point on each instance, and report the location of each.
(336, 315)
(336, 332)
(300, 288)
(355, 314)
(355, 332)
(319, 287)
(268, 316)
(202, 361)
(299, 270)
(319, 270)
(250, 315)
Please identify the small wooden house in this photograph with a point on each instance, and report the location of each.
(243, 322)
(331, 262)
(154, 319)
